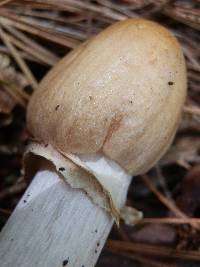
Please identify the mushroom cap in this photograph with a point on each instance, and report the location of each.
(120, 94)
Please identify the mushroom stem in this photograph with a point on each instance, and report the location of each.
(70, 230)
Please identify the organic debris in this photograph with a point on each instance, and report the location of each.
(34, 36)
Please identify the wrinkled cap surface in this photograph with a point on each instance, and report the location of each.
(120, 94)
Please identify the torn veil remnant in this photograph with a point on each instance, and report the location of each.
(99, 177)
(115, 100)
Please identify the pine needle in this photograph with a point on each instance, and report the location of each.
(152, 250)
(22, 64)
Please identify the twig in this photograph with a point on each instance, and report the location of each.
(162, 182)
(168, 203)
(82, 5)
(16, 188)
(4, 2)
(192, 110)
(42, 53)
(147, 261)
(19, 59)
(183, 16)
(153, 250)
(169, 220)
(24, 55)
(18, 90)
(31, 51)
(39, 31)
(192, 59)
(14, 94)
(48, 26)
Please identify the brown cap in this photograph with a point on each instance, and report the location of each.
(120, 94)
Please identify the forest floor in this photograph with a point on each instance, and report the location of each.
(34, 35)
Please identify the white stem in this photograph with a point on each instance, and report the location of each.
(54, 225)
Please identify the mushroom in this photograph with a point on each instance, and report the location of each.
(104, 113)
